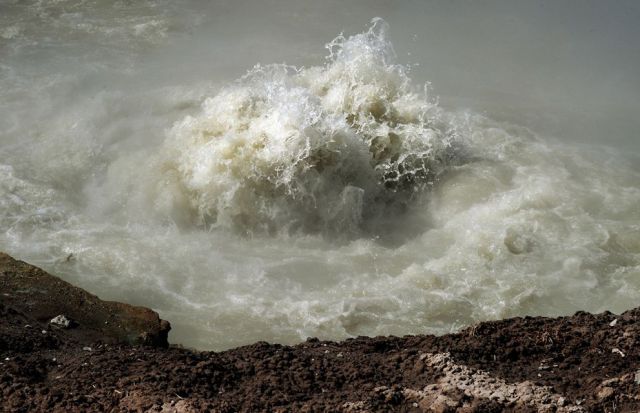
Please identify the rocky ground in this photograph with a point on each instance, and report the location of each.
(104, 356)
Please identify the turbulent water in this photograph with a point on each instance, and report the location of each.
(333, 196)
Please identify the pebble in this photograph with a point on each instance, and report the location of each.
(61, 321)
(617, 351)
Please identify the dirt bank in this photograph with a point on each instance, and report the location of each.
(582, 363)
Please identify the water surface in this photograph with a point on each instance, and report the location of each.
(253, 174)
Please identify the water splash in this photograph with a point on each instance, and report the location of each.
(327, 149)
(91, 184)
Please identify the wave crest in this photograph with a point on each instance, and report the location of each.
(327, 149)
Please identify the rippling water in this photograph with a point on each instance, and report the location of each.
(164, 154)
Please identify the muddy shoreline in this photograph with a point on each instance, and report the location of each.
(115, 357)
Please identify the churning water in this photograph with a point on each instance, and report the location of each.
(335, 195)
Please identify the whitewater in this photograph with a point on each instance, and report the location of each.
(331, 198)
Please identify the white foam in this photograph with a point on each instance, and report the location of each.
(318, 149)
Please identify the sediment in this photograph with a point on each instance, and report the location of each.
(108, 356)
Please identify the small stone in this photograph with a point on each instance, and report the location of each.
(561, 401)
(614, 322)
(61, 321)
(605, 393)
(86, 348)
(617, 351)
(637, 377)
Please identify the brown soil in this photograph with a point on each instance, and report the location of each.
(582, 363)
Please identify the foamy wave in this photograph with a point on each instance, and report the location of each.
(320, 149)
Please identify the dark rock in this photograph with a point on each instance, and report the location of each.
(36, 294)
